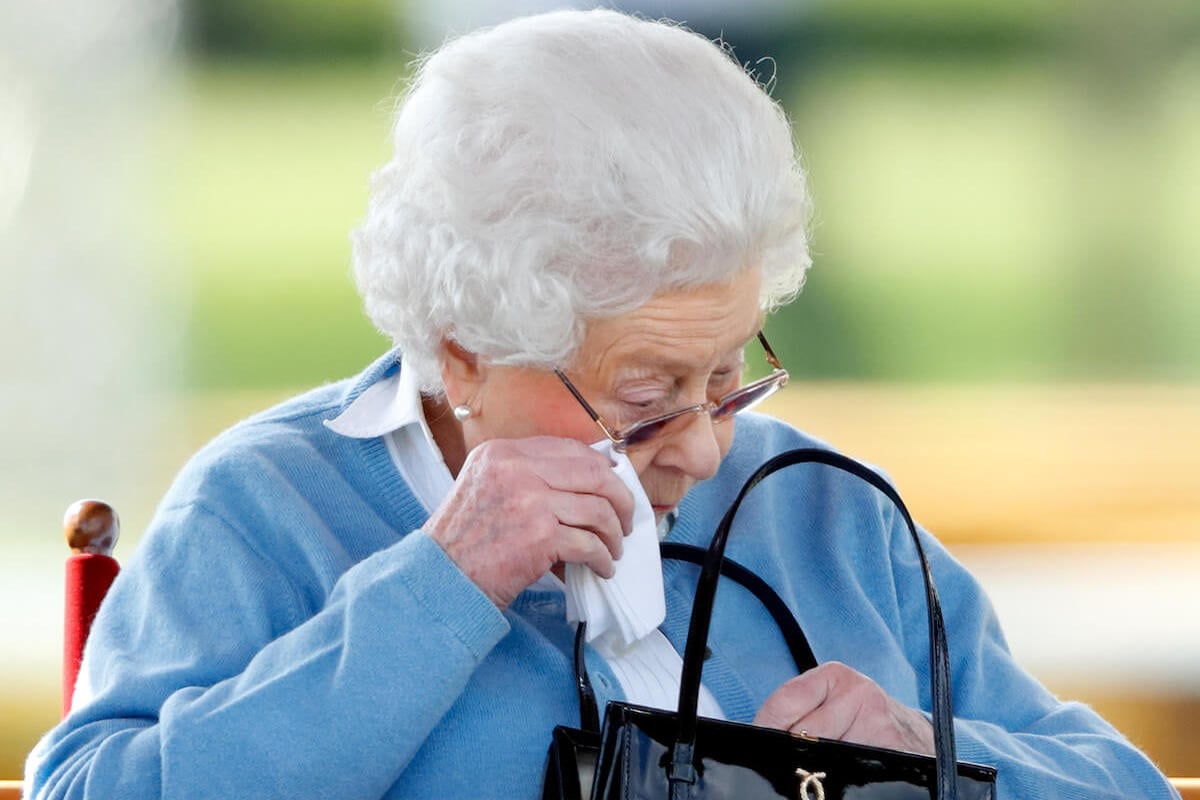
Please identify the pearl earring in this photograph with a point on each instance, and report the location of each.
(462, 413)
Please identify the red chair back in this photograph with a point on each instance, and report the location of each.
(91, 528)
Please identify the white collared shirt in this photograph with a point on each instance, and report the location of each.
(648, 670)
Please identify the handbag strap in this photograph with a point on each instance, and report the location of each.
(681, 770)
(793, 634)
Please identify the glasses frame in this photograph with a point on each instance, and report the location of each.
(776, 380)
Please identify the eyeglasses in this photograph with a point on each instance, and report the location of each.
(725, 408)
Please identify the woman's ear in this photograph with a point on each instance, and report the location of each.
(463, 372)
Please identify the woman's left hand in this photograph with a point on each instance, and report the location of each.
(834, 701)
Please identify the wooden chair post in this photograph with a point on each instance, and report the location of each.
(91, 528)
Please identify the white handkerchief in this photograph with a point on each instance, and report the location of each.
(630, 604)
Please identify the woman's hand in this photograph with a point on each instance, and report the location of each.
(520, 506)
(835, 702)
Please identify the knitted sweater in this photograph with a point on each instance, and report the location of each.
(286, 629)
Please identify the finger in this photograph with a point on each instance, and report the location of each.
(554, 446)
(622, 502)
(832, 719)
(547, 449)
(793, 700)
(591, 513)
(584, 547)
(589, 474)
(562, 464)
(534, 452)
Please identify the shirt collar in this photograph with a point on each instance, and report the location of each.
(390, 403)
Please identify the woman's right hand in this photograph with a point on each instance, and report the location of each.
(521, 506)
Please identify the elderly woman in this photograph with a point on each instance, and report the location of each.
(358, 594)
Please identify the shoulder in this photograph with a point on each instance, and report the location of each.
(279, 501)
(268, 447)
(281, 482)
(757, 439)
(286, 443)
(759, 436)
(814, 498)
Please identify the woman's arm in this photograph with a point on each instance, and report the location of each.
(1004, 717)
(210, 673)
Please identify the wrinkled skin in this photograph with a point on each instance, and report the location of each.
(835, 702)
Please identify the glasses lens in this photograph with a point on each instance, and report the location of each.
(749, 396)
(642, 432)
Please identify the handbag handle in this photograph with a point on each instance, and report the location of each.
(793, 634)
(681, 771)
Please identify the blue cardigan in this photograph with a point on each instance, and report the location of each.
(286, 629)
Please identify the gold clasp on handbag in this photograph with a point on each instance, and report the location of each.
(810, 785)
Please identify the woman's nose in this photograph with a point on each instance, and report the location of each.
(694, 449)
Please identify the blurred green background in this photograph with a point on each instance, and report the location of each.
(1007, 196)
(1004, 191)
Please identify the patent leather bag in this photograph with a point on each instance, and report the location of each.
(652, 754)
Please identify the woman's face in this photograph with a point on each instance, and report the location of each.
(679, 349)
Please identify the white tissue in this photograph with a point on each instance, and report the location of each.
(630, 604)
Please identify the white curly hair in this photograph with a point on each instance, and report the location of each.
(567, 167)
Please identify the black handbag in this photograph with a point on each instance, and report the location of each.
(654, 754)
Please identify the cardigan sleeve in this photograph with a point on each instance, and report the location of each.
(207, 667)
(1041, 746)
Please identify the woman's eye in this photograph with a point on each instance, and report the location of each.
(724, 378)
(642, 400)
(636, 410)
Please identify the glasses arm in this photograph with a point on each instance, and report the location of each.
(772, 359)
(586, 405)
